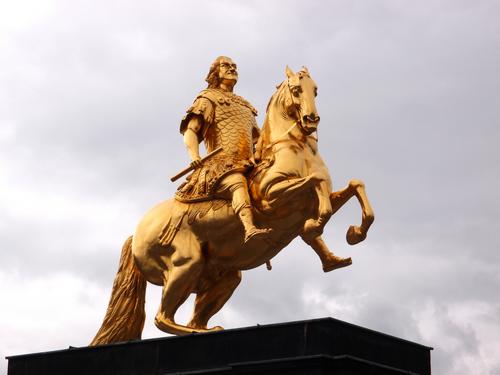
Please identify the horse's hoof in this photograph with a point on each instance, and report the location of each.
(206, 330)
(200, 328)
(354, 235)
(216, 328)
(164, 324)
(336, 262)
(169, 326)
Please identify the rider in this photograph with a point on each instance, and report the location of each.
(221, 119)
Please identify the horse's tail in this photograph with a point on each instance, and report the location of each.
(125, 316)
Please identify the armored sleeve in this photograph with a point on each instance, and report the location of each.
(201, 107)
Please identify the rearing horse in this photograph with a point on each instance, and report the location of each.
(199, 247)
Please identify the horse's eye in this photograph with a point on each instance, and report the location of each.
(296, 91)
(315, 91)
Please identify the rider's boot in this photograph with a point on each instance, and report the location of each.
(251, 231)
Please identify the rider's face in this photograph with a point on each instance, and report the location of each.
(227, 70)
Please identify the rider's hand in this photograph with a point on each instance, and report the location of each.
(196, 163)
(256, 157)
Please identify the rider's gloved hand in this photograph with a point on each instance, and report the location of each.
(196, 163)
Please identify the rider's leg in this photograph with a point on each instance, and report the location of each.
(246, 216)
(210, 299)
(329, 260)
(236, 184)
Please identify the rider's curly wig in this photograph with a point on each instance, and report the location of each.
(213, 74)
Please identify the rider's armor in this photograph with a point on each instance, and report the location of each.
(228, 122)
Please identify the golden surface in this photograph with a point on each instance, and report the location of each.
(220, 224)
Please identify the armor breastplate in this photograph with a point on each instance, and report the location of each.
(232, 127)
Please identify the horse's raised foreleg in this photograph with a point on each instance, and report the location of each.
(356, 188)
(211, 298)
(285, 189)
(314, 226)
(329, 260)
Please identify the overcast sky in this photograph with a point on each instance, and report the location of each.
(91, 95)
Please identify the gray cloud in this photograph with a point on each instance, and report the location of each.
(91, 95)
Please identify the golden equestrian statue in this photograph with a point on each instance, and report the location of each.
(253, 193)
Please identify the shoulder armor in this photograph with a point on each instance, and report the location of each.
(210, 94)
(218, 98)
(246, 103)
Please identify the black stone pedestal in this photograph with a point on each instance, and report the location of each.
(320, 346)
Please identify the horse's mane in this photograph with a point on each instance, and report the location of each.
(278, 94)
(279, 98)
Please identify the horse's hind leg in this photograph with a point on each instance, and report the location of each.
(356, 188)
(213, 295)
(180, 281)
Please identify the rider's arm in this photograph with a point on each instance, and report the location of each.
(194, 125)
(191, 139)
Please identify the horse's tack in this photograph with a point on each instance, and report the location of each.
(169, 231)
(298, 121)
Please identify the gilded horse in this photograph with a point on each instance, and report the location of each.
(199, 247)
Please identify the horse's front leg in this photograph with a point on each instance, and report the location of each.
(329, 260)
(356, 188)
(325, 210)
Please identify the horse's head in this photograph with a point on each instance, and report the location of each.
(291, 112)
(300, 99)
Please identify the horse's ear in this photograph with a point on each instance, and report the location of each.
(305, 70)
(289, 72)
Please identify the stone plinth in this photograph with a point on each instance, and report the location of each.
(320, 346)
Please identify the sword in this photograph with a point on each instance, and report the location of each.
(190, 168)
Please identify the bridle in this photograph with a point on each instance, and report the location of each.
(298, 121)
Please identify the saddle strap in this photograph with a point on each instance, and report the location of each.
(169, 231)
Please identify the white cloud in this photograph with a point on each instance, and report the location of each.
(47, 313)
(466, 335)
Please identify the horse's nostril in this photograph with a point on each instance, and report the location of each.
(311, 118)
